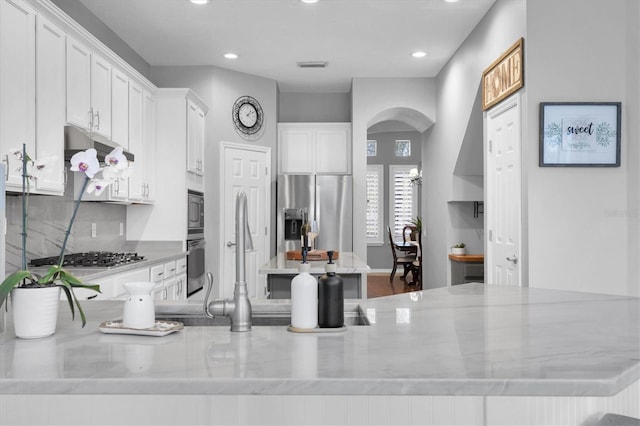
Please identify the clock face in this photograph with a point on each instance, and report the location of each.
(247, 117)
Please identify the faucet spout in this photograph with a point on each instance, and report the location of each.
(237, 309)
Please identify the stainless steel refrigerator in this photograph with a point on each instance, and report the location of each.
(326, 199)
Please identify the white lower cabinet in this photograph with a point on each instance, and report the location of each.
(112, 287)
(170, 280)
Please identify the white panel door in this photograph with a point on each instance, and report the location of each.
(503, 212)
(245, 168)
(51, 105)
(17, 85)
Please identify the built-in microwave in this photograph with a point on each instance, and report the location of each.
(195, 215)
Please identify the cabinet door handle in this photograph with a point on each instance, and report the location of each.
(98, 117)
(91, 118)
(513, 259)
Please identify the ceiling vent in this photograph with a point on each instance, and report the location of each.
(312, 64)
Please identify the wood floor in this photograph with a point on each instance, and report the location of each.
(378, 285)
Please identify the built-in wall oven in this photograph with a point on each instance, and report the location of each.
(195, 242)
(195, 215)
(195, 266)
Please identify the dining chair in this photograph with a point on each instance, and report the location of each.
(407, 234)
(410, 229)
(405, 261)
(416, 267)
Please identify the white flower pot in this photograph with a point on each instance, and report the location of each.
(458, 250)
(35, 311)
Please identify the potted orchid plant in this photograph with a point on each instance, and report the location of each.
(35, 298)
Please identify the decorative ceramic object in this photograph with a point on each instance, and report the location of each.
(35, 311)
(139, 311)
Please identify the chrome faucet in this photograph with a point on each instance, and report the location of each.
(237, 309)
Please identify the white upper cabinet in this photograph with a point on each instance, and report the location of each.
(101, 95)
(135, 141)
(88, 89)
(195, 138)
(120, 108)
(148, 146)
(78, 84)
(314, 148)
(17, 85)
(50, 105)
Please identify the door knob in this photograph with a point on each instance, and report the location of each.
(513, 259)
(230, 244)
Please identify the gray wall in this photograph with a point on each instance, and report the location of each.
(583, 222)
(314, 107)
(380, 257)
(91, 23)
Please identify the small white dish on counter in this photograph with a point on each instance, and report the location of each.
(160, 328)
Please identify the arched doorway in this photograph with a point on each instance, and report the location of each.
(394, 192)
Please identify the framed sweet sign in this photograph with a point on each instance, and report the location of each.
(580, 134)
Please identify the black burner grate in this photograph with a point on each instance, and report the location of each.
(90, 259)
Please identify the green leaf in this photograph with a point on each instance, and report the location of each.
(67, 291)
(51, 275)
(11, 282)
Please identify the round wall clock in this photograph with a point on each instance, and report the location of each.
(247, 116)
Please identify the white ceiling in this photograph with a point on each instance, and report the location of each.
(358, 38)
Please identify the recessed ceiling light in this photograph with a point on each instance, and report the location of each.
(419, 54)
(230, 55)
(309, 1)
(199, 2)
(451, 1)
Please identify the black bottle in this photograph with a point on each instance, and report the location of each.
(330, 297)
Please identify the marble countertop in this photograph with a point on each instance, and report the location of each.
(468, 339)
(347, 263)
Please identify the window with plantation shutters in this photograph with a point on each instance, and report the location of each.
(375, 197)
(402, 202)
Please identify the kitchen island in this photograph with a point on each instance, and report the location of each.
(279, 272)
(468, 354)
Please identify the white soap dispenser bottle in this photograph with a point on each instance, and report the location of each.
(304, 297)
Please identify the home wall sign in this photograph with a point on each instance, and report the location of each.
(580, 134)
(504, 76)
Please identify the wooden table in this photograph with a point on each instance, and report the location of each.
(408, 246)
(466, 268)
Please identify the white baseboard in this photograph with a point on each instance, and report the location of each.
(380, 271)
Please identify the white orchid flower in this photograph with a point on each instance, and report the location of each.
(116, 159)
(115, 173)
(86, 162)
(98, 186)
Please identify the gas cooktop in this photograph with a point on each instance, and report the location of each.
(90, 259)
